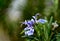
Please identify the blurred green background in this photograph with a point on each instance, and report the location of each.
(10, 30)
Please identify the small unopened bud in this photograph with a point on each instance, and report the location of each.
(55, 25)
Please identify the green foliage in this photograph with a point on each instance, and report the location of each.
(43, 31)
(58, 37)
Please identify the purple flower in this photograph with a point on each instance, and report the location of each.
(24, 22)
(42, 21)
(29, 23)
(39, 20)
(29, 31)
(32, 20)
(35, 17)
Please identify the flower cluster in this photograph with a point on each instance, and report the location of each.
(29, 30)
(40, 29)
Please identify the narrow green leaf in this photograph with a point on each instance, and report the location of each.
(22, 32)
